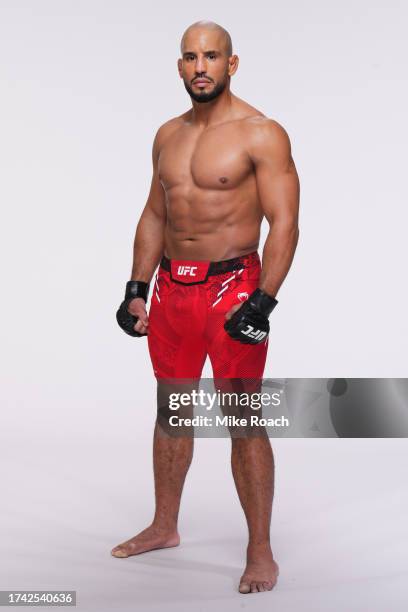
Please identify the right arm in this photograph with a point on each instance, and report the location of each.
(148, 244)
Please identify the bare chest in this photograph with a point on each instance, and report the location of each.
(215, 158)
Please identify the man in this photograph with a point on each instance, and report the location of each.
(218, 169)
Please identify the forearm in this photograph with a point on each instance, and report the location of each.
(148, 246)
(277, 256)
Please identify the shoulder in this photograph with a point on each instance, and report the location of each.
(265, 136)
(164, 132)
(258, 126)
(167, 128)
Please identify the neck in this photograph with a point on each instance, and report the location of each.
(214, 111)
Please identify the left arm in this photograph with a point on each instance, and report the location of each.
(278, 187)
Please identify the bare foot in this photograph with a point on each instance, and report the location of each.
(148, 539)
(261, 572)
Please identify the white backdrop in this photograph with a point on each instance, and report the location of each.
(84, 87)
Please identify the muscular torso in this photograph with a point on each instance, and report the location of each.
(213, 210)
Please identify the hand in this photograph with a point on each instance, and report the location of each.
(233, 309)
(248, 322)
(131, 315)
(137, 308)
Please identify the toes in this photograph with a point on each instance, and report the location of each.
(119, 551)
(256, 587)
(244, 587)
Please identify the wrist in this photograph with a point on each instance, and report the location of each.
(136, 289)
(262, 301)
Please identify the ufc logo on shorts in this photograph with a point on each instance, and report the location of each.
(257, 334)
(184, 270)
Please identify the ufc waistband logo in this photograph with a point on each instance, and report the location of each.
(257, 334)
(184, 270)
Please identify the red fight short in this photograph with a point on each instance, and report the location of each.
(187, 315)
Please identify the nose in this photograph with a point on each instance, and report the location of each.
(201, 65)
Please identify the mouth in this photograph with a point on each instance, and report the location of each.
(201, 82)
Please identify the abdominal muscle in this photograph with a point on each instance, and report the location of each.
(208, 247)
(211, 233)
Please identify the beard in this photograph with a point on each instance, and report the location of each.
(203, 96)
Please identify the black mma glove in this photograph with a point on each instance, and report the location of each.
(249, 324)
(134, 289)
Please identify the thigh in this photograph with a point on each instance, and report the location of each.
(230, 358)
(176, 339)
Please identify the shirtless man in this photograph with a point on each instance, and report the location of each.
(218, 169)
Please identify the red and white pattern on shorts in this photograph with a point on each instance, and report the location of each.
(186, 323)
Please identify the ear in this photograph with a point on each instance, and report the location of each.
(233, 62)
(180, 67)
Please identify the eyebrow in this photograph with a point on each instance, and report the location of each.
(205, 52)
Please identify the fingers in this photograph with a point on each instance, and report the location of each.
(137, 307)
(231, 312)
(142, 325)
(142, 328)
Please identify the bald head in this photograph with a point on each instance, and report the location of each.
(223, 35)
(206, 52)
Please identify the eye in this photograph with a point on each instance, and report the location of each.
(212, 56)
